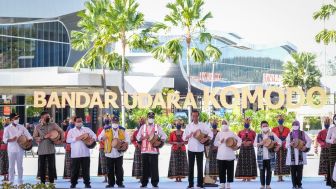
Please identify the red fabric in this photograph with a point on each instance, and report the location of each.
(173, 138)
(2, 146)
(282, 136)
(247, 135)
(321, 138)
(101, 143)
(67, 145)
(134, 140)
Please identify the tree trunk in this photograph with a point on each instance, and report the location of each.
(123, 81)
(188, 74)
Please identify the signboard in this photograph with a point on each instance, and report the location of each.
(272, 79)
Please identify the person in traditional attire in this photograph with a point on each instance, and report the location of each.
(67, 158)
(149, 153)
(196, 148)
(266, 155)
(211, 167)
(321, 140)
(247, 165)
(114, 157)
(3, 151)
(15, 153)
(102, 167)
(137, 165)
(296, 158)
(80, 153)
(281, 131)
(46, 147)
(331, 139)
(178, 164)
(226, 155)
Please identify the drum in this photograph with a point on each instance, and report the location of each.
(155, 140)
(88, 141)
(116, 143)
(123, 146)
(268, 143)
(231, 142)
(199, 136)
(299, 144)
(54, 136)
(24, 143)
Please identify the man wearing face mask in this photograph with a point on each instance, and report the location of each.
(150, 154)
(226, 155)
(321, 140)
(211, 168)
(296, 158)
(46, 148)
(15, 153)
(137, 165)
(281, 131)
(266, 156)
(247, 164)
(114, 158)
(331, 139)
(196, 148)
(80, 153)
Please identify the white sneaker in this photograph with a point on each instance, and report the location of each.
(222, 186)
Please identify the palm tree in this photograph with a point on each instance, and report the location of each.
(302, 72)
(326, 11)
(187, 16)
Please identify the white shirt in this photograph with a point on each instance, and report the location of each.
(224, 152)
(331, 134)
(265, 149)
(78, 148)
(114, 152)
(193, 144)
(12, 131)
(296, 151)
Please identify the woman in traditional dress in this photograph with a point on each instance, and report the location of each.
(67, 159)
(247, 164)
(3, 151)
(321, 140)
(281, 131)
(137, 166)
(211, 168)
(102, 168)
(178, 164)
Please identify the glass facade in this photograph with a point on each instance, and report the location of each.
(26, 45)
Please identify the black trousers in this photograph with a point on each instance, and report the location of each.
(50, 158)
(266, 173)
(76, 164)
(115, 171)
(226, 170)
(199, 159)
(296, 173)
(150, 169)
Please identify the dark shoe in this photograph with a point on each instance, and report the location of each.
(190, 187)
(143, 186)
(155, 186)
(109, 186)
(87, 186)
(121, 186)
(73, 186)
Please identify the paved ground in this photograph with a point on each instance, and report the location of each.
(311, 180)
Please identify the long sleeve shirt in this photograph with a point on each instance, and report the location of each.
(12, 131)
(46, 146)
(78, 147)
(321, 138)
(193, 144)
(145, 146)
(247, 135)
(282, 135)
(331, 134)
(114, 152)
(224, 152)
(296, 151)
(265, 149)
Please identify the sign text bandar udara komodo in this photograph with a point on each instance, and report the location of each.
(143, 100)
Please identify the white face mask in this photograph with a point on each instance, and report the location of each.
(296, 127)
(265, 129)
(150, 120)
(78, 125)
(114, 125)
(225, 127)
(16, 121)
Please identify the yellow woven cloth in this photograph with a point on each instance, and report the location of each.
(109, 138)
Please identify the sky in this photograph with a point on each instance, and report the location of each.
(261, 21)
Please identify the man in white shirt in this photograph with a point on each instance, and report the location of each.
(80, 153)
(15, 152)
(196, 148)
(149, 153)
(114, 158)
